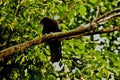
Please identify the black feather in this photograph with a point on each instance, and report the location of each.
(50, 25)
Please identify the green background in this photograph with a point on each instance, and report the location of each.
(19, 22)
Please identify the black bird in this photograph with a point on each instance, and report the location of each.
(50, 25)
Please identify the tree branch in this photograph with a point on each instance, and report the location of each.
(88, 29)
(107, 14)
(93, 33)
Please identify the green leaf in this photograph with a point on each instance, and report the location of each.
(93, 1)
(82, 10)
(70, 15)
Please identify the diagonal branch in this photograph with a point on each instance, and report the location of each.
(93, 33)
(57, 35)
(81, 30)
(107, 14)
(109, 17)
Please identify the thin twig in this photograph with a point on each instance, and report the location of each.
(107, 14)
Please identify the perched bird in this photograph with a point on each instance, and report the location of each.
(50, 25)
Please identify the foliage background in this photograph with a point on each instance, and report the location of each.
(90, 57)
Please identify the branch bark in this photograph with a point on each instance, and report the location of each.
(108, 30)
(88, 29)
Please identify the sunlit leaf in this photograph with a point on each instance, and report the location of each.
(82, 10)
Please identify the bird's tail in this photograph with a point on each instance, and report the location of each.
(55, 55)
(55, 49)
